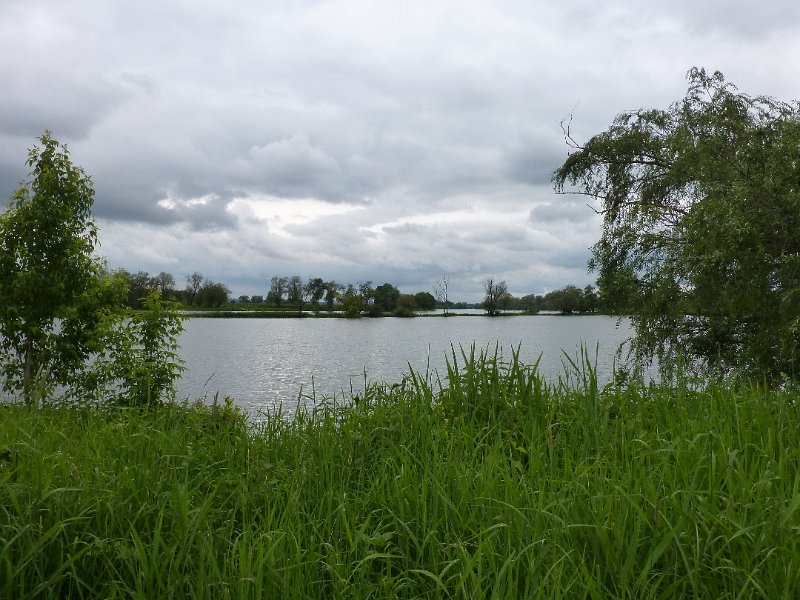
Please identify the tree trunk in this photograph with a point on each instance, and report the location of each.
(27, 382)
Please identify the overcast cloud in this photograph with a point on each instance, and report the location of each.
(355, 140)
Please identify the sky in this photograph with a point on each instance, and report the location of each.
(357, 140)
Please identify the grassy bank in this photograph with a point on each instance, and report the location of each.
(501, 486)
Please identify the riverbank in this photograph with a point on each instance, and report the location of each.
(501, 486)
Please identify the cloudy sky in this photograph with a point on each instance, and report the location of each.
(357, 140)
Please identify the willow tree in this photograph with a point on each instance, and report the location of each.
(701, 230)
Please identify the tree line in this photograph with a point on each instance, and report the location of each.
(199, 291)
(567, 300)
(355, 299)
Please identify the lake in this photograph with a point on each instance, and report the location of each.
(264, 363)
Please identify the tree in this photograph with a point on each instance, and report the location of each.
(386, 296)
(406, 304)
(135, 358)
(315, 290)
(440, 291)
(47, 236)
(532, 303)
(701, 226)
(589, 299)
(256, 299)
(164, 283)
(193, 284)
(276, 291)
(567, 300)
(352, 302)
(495, 296)
(367, 291)
(294, 290)
(60, 309)
(138, 284)
(212, 294)
(331, 291)
(425, 301)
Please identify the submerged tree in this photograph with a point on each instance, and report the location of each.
(701, 237)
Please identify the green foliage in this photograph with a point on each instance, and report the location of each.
(137, 360)
(49, 280)
(63, 324)
(212, 294)
(277, 290)
(352, 302)
(405, 306)
(493, 483)
(425, 301)
(314, 290)
(701, 236)
(386, 296)
(568, 300)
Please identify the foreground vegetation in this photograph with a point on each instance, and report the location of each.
(498, 485)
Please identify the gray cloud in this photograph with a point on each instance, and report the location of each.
(356, 139)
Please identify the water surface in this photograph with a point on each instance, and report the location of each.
(264, 363)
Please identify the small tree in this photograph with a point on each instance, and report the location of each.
(56, 298)
(352, 302)
(136, 356)
(47, 272)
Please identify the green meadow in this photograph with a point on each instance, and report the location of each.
(489, 483)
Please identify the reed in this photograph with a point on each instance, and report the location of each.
(490, 482)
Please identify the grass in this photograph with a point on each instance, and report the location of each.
(499, 485)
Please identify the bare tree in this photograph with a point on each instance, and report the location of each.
(440, 292)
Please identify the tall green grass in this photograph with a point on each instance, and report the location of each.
(498, 485)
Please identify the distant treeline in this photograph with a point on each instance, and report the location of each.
(354, 299)
(567, 300)
(284, 293)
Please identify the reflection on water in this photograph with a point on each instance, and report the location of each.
(264, 363)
